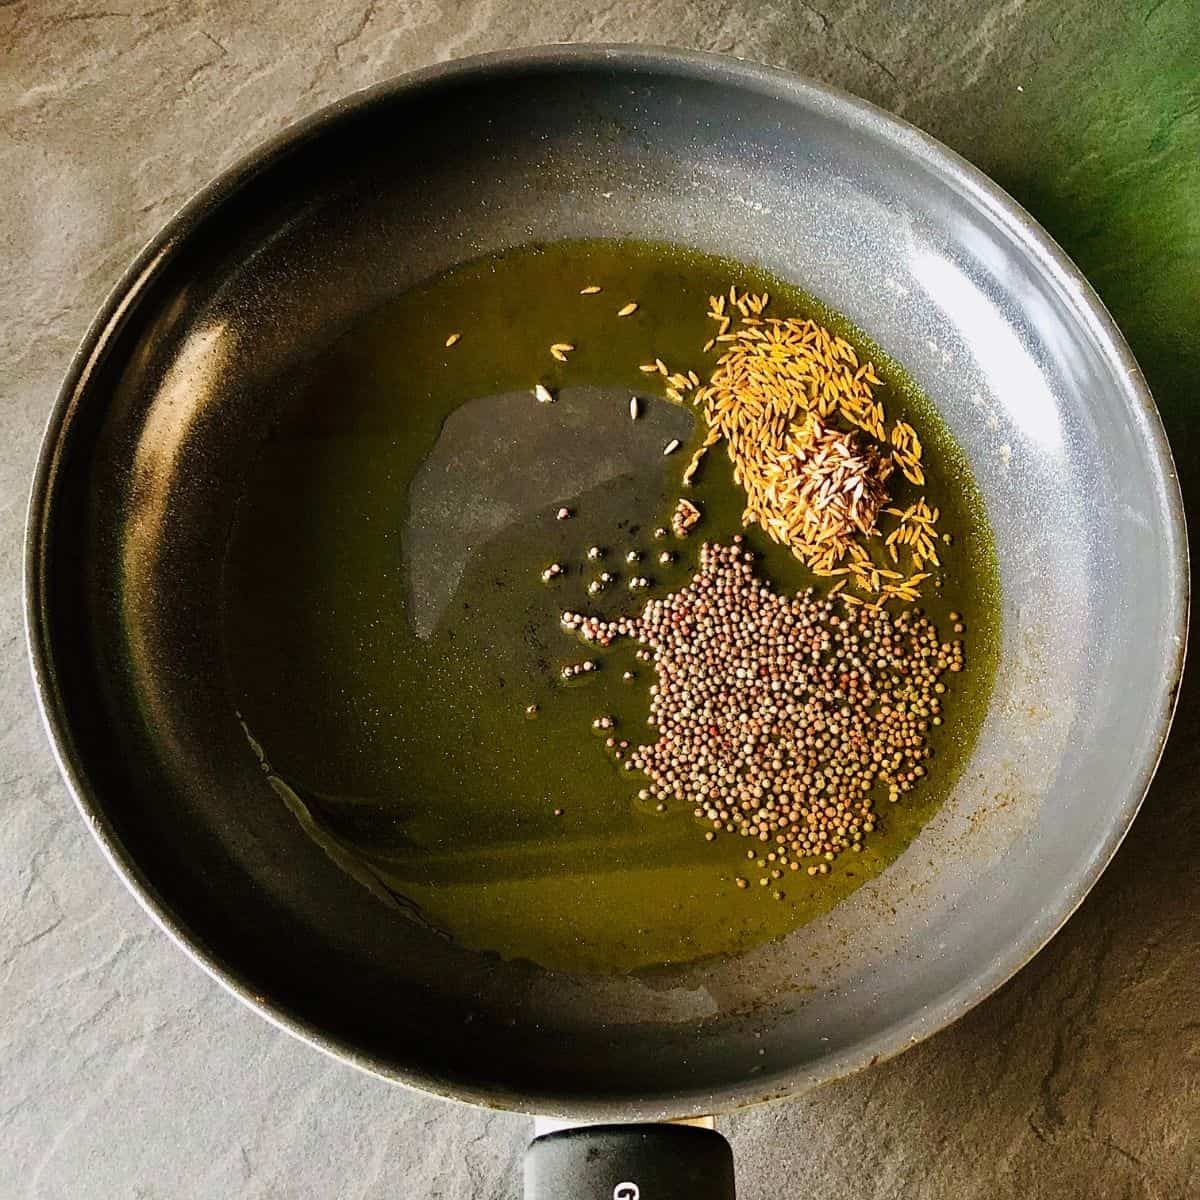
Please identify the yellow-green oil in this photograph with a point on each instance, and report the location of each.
(412, 758)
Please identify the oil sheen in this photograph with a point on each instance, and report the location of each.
(387, 626)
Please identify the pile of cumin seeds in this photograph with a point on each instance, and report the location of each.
(778, 719)
(810, 446)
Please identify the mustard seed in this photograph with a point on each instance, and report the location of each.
(781, 718)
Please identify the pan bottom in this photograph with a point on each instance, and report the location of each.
(388, 630)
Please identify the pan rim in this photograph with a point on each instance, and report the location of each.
(785, 85)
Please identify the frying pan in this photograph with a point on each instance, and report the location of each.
(157, 423)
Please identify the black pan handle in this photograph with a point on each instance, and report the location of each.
(630, 1162)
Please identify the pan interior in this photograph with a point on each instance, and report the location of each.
(183, 390)
(383, 594)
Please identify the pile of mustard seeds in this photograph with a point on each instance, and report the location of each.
(779, 719)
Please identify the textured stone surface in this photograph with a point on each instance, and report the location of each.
(124, 1072)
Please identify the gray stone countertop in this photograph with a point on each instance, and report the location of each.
(125, 1071)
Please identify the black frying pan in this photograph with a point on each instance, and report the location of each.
(158, 420)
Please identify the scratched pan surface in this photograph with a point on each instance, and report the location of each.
(160, 417)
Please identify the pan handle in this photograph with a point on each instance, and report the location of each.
(630, 1162)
